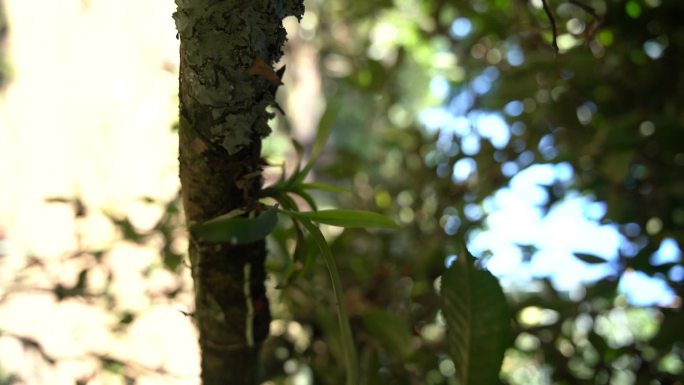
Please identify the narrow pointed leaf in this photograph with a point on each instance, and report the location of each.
(348, 348)
(299, 149)
(325, 126)
(286, 201)
(477, 320)
(307, 198)
(323, 187)
(304, 255)
(237, 230)
(589, 258)
(345, 218)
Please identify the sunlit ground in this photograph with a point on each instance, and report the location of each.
(88, 113)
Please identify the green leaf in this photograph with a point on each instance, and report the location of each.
(590, 259)
(348, 347)
(286, 201)
(392, 331)
(304, 255)
(325, 126)
(299, 150)
(237, 230)
(477, 320)
(345, 218)
(307, 198)
(323, 187)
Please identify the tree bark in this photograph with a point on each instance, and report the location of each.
(227, 51)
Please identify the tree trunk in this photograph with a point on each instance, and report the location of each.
(228, 48)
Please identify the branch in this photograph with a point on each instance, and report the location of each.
(598, 19)
(552, 20)
(588, 9)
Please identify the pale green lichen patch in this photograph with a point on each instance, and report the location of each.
(221, 39)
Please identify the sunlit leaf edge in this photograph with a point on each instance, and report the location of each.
(345, 218)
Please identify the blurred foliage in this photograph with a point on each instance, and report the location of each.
(608, 104)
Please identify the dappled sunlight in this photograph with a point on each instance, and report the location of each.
(85, 125)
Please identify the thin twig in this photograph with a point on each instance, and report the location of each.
(587, 8)
(598, 19)
(552, 20)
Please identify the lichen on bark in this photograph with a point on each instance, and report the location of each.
(222, 40)
(223, 118)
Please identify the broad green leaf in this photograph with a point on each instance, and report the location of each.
(345, 218)
(323, 187)
(588, 258)
(350, 355)
(392, 331)
(477, 320)
(237, 230)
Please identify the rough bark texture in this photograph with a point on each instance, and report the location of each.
(228, 48)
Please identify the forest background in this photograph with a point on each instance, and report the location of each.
(561, 171)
